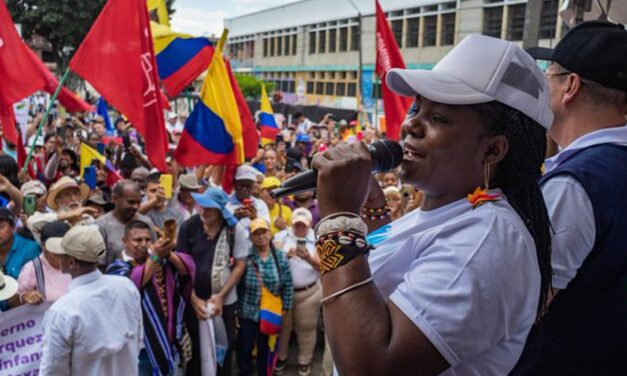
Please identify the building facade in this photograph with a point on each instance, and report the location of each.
(310, 48)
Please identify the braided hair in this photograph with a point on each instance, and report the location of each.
(518, 174)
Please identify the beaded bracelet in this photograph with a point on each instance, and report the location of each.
(375, 214)
(342, 223)
(338, 248)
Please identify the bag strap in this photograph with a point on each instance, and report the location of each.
(230, 238)
(39, 274)
(278, 268)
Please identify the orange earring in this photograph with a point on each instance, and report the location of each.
(481, 196)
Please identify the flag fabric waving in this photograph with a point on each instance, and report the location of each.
(103, 110)
(117, 58)
(180, 57)
(249, 130)
(267, 123)
(89, 154)
(213, 131)
(19, 74)
(388, 57)
(160, 11)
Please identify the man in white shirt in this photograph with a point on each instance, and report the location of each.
(96, 328)
(583, 330)
(241, 203)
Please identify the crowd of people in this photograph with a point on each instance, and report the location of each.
(416, 268)
(226, 247)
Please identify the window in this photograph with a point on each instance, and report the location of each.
(397, 29)
(341, 75)
(548, 19)
(279, 46)
(265, 47)
(286, 51)
(492, 20)
(284, 86)
(294, 44)
(355, 38)
(413, 27)
(332, 40)
(322, 41)
(320, 88)
(310, 87)
(328, 88)
(312, 42)
(291, 87)
(431, 25)
(343, 39)
(271, 46)
(516, 22)
(448, 29)
(340, 89)
(352, 90)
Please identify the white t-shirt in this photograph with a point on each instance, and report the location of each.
(468, 279)
(303, 274)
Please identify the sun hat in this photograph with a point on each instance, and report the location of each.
(215, 198)
(259, 224)
(481, 69)
(84, 243)
(65, 182)
(8, 286)
(302, 215)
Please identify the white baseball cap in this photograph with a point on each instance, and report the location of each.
(246, 172)
(302, 215)
(481, 69)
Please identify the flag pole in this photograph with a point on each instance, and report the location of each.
(45, 117)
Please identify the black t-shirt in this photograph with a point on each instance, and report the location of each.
(193, 241)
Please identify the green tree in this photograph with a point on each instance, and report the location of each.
(63, 22)
(251, 86)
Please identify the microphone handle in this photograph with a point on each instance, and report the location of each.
(302, 182)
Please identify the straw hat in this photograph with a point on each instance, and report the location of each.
(65, 182)
(8, 286)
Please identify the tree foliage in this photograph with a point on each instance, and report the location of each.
(251, 86)
(62, 22)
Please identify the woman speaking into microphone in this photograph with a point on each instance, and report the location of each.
(452, 287)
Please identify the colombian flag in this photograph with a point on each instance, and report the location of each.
(88, 154)
(180, 57)
(267, 123)
(213, 131)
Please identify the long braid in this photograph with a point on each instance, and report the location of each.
(518, 174)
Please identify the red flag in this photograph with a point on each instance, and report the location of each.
(388, 57)
(19, 74)
(249, 131)
(117, 58)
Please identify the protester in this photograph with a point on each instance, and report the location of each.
(41, 280)
(8, 287)
(97, 202)
(280, 214)
(140, 176)
(271, 162)
(164, 279)
(241, 203)
(299, 244)
(66, 198)
(440, 272)
(96, 328)
(389, 179)
(584, 183)
(393, 198)
(269, 268)
(126, 197)
(306, 200)
(188, 184)
(158, 207)
(213, 238)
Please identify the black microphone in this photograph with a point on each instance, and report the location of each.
(386, 155)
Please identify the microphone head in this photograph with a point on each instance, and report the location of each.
(386, 155)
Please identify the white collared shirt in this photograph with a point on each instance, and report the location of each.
(303, 274)
(570, 208)
(94, 329)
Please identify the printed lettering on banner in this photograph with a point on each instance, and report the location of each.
(21, 332)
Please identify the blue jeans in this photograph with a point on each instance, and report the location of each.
(246, 338)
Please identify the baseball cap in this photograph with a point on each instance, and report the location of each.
(33, 187)
(215, 198)
(56, 229)
(302, 215)
(246, 172)
(270, 182)
(7, 215)
(481, 69)
(257, 224)
(84, 243)
(596, 50)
